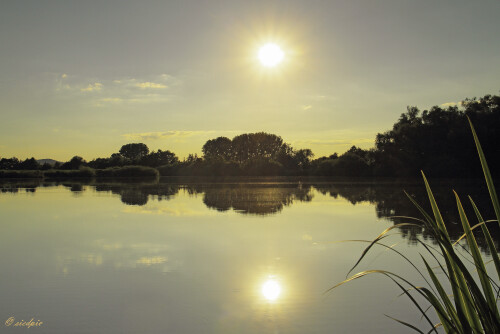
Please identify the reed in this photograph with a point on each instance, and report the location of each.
(83, 172)
(128, 171)
(21, 174)
(472, 304)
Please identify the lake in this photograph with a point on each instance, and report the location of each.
(184, 256)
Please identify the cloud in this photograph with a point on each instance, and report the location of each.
(92, 87)
(449, 104)
(164, 135)
(111, 99)
(334, 141)
(153, 85)
(160, 88)
(307, 107)
(319, 97)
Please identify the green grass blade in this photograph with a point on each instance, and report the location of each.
(457, 280)
(437, 214)
(405, 324)
(428, 220)
(489, 240)
(378, 238)
(487, 174)
(391, 248)
(478, 260)
(444, 297)
(476, 306)
(443, 316)
(437, 326)
(473, 228)
(458, 290)
(393, 277)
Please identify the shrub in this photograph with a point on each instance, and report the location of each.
(263, 167)
(84, 172)
(128, 171)
(169, 170)
(18, 174)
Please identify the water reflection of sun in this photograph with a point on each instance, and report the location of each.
(271, 289)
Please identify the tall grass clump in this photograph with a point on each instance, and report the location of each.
(83, 172)
(21, 174)
(128, 171)
(464, 300)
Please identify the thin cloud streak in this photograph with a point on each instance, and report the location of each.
(151, 89)
(153, 85)
(449, 104)
(165, 135)
(92, 87)
(334, 141)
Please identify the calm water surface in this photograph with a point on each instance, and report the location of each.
(177, 257)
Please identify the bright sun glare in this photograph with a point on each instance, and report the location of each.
(270, 55)
(271, 290)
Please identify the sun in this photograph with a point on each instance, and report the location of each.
(270, 55)
(271, 290)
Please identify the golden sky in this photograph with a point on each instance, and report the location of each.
(83, 78)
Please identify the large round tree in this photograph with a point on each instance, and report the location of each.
(134, 151)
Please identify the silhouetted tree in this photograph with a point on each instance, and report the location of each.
(46, 166)
(75, 163)
(9, 164)
(219, 148)
(192, 158)
(256, 145)
(134, 151)
(303, 158)
(439, 140)
(29, 164)
(159, 158)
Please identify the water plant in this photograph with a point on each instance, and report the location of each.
(472, 304)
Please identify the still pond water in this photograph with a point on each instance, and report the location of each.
(182, 257)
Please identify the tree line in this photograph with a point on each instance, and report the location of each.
(437, 141)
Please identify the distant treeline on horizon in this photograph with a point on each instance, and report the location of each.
(437, 141)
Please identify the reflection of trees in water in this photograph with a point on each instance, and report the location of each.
(269, 198)
(255, 199)
(391, 203)
(138, 194)
(16, 186)
(131, 193)
(258, 199)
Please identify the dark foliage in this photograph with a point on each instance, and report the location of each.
(83, 172)
(75, 163)
(21, 174)
(159, 158)
(134, 151)
(436, 141)
(128, 171)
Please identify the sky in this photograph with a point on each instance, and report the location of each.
(86, 77)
